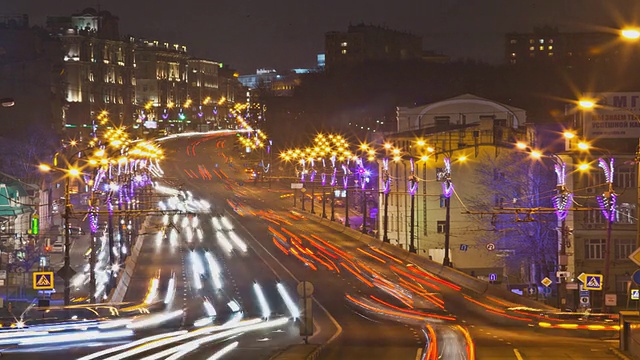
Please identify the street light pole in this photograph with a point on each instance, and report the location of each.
(447, 191)
(413, 185)
(608, 205)
(386, 189)
(67, 243)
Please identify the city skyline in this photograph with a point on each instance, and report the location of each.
(251, 35)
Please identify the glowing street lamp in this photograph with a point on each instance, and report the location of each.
(630, 34)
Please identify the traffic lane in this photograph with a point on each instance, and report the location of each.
(363, 335)
(497, 343)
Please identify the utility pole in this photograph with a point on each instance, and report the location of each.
(346, 207)
(412, 188)
(67, 243)
(364, 211)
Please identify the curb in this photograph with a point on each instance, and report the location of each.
(619, 354)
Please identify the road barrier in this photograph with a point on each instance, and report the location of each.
(124, 279)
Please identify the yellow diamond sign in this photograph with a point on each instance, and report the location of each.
(635, 256)
(546, 282)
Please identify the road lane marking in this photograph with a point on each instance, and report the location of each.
(419, 354)
(517, 353)
(333, 320)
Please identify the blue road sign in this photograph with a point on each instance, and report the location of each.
(546, 291)
(635, 294)
(636, 277)
(493, 277)
(532, 290)
(593, 282)
(464, 247)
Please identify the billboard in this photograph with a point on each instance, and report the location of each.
(616, 115)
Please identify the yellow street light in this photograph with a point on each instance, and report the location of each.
(583, 146)
(569, 134)
(520, 145)
(584, 166)
(420, 143)
(630, 33)
(396, 151)
(462, 158)
(74, 171)
(586, 103)
(424, 157)
(44, 167)
(536, 154)
(387, 146)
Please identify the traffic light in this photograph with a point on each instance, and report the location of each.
(35, 224)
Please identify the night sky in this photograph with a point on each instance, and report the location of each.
(283, 34)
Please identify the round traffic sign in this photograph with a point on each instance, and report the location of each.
(584, 300)
(305, 288)
(546, 290)
(636, 277)
(491, 246)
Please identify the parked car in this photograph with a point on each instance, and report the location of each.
(57, 247)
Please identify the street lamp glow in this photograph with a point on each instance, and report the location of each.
(583, 146)
(536, 154)
(630, 34)
(387, 146)
(584, 167)
(74, 171)
(462, 158)
(520, 145)
(586, 104)
(421, 143)
(44, 167)
(424, 157)
(396, 151)
(568, 134)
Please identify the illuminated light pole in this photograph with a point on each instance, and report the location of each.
(71, 172)
(345, 182)
(447, 191)
(607, 204)
(413, 187)
(386, 189)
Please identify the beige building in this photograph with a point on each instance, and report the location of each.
(469, 130)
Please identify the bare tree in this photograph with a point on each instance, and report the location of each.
(525, 236)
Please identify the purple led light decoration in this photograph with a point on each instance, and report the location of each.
(387, 178)
(608, 206)
(93, 219)
(345, 177)
(165, 115)
(323, 176)
(447, 185)
(608, 169)
(562, 201)
(607, 201)
(334, 177)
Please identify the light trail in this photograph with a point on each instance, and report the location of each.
(142, 341)
(171, 290)
(154, 319)
(264, 306)
(222, 352)
(214, 269)
(239, 243)
(293, 309)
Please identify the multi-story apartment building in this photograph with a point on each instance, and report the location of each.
(612, 129)
(161, 84)
(98, 70)
(362, 43)
(547, 45)
(475, 134)
(203, 91)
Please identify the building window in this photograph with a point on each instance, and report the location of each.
(531, 41)
(541, 48)
(594, 249)
(624, 248)
(344, 51)
(441, 226)
(593, 217)
(343, 44)
(541, 41)
(514, 41)
(624, 178)
(550, 54)
(513, 54)
(550, 47)
(550, 41)
(626, 213)
(531, 48)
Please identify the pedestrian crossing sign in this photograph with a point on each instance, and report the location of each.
(591, 281)
(43, 280)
